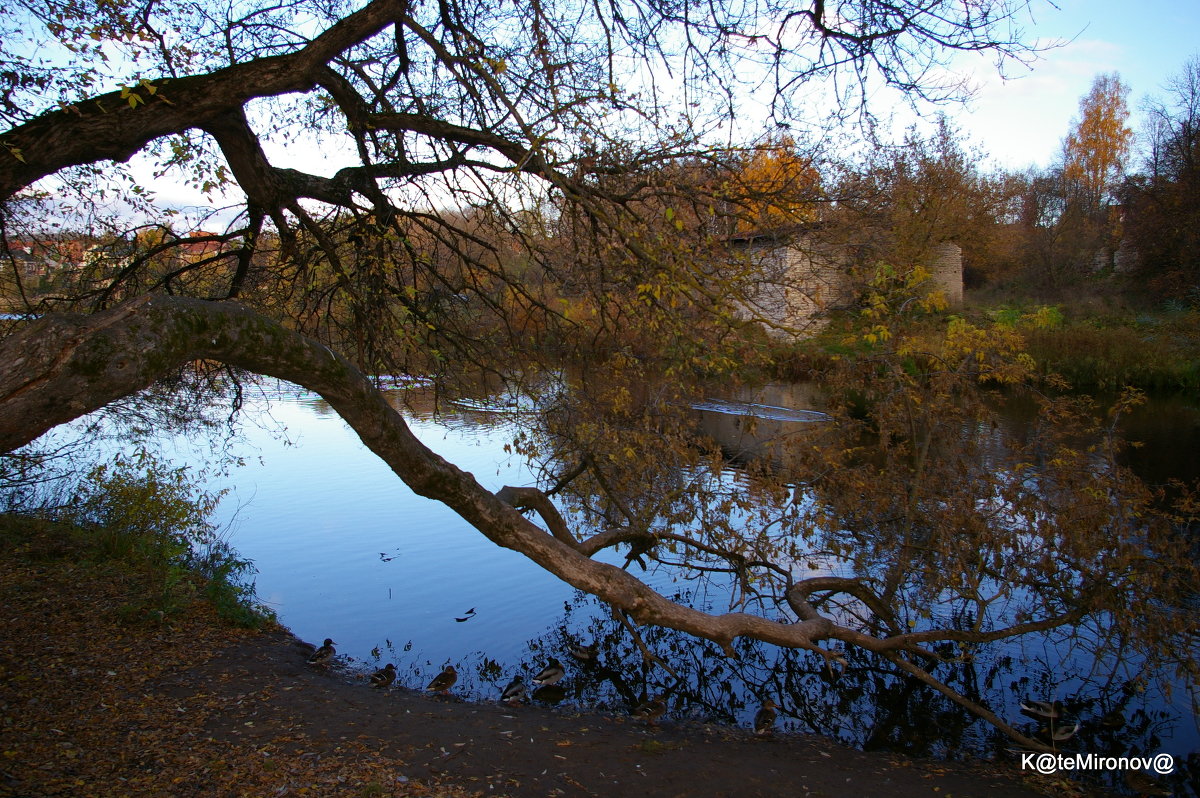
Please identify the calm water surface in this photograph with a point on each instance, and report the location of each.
(345, 550)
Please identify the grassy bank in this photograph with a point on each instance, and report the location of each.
(1159, 351)
(140, 513)
(1092, 349)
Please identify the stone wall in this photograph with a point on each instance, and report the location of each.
(799, 282)
(946, 269)
(797, 285)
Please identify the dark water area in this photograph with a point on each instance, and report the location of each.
(1164, 431)
(345, 550)
(1167, 431)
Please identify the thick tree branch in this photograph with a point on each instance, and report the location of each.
(63, 366)
(534, 499)
(798, 597)
(107, 127)
(521, 156)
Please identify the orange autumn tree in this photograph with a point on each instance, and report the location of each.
(1095, 152)
(777, 186)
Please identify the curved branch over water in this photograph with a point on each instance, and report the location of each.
(64, 366)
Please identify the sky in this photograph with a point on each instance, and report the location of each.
(1021, 122)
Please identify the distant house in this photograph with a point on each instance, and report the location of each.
(199, 245)
(37, 259)
(801, 277)
(30, 264)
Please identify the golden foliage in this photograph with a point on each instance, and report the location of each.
(1095, 151)
(778, 186)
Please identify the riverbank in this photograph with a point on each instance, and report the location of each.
(97, 701)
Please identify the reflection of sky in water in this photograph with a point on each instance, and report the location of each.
(345, 550)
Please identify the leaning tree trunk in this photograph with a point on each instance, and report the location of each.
(61, 367)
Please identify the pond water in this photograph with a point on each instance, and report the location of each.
(345, 550)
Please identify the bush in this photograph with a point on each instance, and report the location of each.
(152, 515)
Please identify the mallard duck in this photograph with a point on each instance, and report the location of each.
(651, 710)
(585, 654)
(515, 692)
(551, 674)
(764, 719)
(384, 677)
(323, 654)
(444, 680)
(1043, 710)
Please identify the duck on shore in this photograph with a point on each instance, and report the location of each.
(444, 680)
(384, 676)
(323, 654)
(514, 693)
(764, 719)
(651, 709)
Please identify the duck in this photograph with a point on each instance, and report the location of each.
(444, 680)
(651, 709)
(1043, 710)
(764, 719)
(323, 654)
(585, 654)
(515, 692)
(551, 674)
(384, 677)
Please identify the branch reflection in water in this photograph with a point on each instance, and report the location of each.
(343, 548)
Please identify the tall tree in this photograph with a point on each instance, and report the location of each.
(924, 192)
(1095, 152)
(1163, 200)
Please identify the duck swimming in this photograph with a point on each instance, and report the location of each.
(551, 674)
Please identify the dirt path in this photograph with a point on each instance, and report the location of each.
(532, 751)
(98, 699)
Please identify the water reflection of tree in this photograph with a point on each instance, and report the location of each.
(863, 704)
(909, 525)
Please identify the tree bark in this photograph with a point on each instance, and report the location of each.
(61, 367)
(108, 127)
